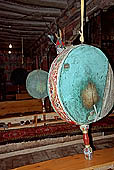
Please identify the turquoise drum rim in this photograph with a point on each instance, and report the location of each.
(52, 86)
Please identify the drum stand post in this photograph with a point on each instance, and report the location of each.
(43, 108)
(87, 149)
(43, 105)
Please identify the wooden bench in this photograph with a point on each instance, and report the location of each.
(25, 113)
(22, 106)
(33, 120)
(102, 160)
(23, 96)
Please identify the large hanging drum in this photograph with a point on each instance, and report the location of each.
(36, 84)
(80, 84)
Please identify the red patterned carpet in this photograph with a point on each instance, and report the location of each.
(62, 129)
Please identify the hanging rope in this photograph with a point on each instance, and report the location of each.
(82, 22)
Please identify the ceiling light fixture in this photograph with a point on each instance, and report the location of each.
(10, 45)
(9, 52)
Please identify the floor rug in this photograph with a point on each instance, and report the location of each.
(53, 130)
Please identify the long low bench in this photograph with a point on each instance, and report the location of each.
(102, 160)
(33, 120)
(21, 106)
(25, 113)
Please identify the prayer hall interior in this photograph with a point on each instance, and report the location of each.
(56, 84)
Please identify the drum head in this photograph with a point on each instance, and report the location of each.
(36, 84)
(82, 82)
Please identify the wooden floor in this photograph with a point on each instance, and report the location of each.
(102, 159)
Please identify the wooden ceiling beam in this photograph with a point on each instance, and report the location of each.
(21, 32)
(23, 28)
(10, 37)
(43, 3)
(21, 9)
(9, 14)
(10, 22)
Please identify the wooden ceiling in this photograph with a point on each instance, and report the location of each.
(27, 19)
(30, 19)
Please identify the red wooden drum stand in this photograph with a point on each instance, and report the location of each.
(87, 149)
